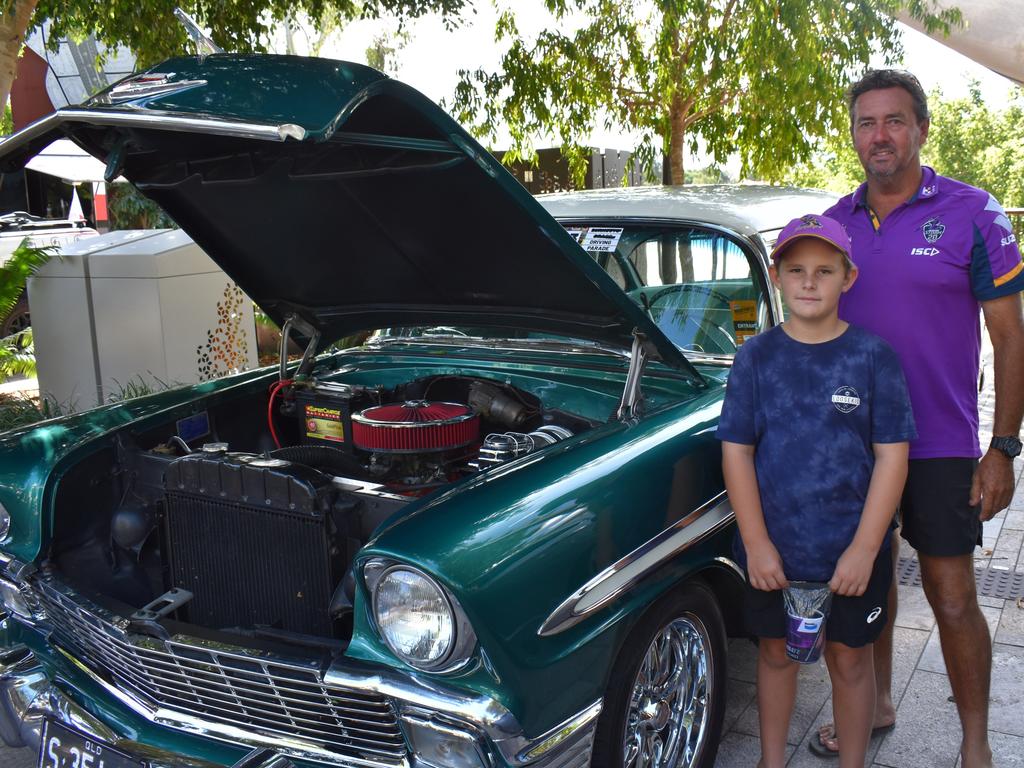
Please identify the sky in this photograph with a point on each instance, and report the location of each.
(432, 57)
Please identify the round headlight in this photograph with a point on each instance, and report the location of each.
(414, 617)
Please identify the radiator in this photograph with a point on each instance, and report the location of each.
(254, 544)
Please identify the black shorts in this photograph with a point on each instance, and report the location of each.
(852, 621)
(935, 514)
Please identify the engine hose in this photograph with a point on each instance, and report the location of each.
(276, 387)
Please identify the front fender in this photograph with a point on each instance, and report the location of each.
(513, 543)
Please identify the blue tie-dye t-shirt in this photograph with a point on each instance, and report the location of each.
(813, 412)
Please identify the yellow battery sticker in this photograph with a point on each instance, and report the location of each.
(744, 319)
(324, 423)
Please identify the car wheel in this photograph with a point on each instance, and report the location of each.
(666, 695)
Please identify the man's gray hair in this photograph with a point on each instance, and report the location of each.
(877, 79)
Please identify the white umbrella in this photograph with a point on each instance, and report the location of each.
(67, 161)
(992, 34)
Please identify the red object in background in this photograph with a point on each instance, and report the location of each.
(99, 206)
(29, 100)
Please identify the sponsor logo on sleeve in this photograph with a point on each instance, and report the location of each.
(845, 399)
(932, 230)
(1008, 240)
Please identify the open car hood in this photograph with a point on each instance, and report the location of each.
(327, 190)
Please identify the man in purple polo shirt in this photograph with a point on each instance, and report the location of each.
(931, 251)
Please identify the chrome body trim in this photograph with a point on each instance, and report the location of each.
(732, 566)
(27, 697)
(622, 575)
(131, 118)
(406, 693)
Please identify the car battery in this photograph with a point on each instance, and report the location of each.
(325, 413)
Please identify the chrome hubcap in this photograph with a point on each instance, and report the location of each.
(669, 705)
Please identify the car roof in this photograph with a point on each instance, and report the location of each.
(746, 209)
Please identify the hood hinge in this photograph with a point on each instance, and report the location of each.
(632, 402)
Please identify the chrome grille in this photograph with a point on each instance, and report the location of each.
(219, 684)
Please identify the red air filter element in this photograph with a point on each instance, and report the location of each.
(416, 426)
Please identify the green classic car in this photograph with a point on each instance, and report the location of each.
(493, 533)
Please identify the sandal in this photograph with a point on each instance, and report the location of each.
(817, 741)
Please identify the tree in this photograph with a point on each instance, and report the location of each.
(761, 79)
(149, 28)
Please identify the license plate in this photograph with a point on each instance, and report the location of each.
(62, 747)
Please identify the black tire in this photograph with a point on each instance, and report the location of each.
(689, 613)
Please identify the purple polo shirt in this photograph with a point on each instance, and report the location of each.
(923, 272)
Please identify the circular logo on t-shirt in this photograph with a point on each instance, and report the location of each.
(845, 399)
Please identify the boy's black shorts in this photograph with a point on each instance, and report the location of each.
(935, 512)
(852, 621)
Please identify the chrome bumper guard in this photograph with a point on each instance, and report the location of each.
(434, 720)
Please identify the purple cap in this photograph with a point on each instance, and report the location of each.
(813, 225)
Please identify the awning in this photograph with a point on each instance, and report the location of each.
(991, 36)
(65, 160)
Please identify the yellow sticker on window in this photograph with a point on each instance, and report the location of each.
(744, 319)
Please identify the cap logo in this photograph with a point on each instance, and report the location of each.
(809, 221)
(932, 230)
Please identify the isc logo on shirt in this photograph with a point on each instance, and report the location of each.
(845, 399)
(924, 251)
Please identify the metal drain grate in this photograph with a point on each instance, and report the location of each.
(999, 583)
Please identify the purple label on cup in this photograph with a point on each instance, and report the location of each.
(805, 637)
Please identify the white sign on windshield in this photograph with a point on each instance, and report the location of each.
(602, 239)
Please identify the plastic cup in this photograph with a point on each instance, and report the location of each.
(807, 605)
(805, 637)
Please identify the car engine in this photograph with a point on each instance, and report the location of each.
(253, 530)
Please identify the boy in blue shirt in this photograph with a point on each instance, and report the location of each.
(815, 430)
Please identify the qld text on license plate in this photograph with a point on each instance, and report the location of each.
(63, 748)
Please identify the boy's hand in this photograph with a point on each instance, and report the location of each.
(853, 572)
(764, 567)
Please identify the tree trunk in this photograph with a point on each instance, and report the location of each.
(13, 26)
(677, 127)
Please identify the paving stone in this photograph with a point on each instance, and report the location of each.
(1006, 707)
(813, 689)
(1008, 547)
(17, 758)
(1014, 518)
(928, 734)
(907, 646)
(992, 528)
(739, 695)
(1011, 625)
(742, 660)
(931, 658)
(990, 602)
(1007, 750)
(738, 750)
(914, 611)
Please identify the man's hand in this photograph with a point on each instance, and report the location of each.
(992, 484)
(853, 571)
(764, 567)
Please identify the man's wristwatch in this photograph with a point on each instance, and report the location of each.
(1009, 445)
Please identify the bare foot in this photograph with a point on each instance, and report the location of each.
(828, 742)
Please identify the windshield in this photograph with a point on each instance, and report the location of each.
(696, 284)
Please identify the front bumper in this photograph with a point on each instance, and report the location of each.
(435, 723)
